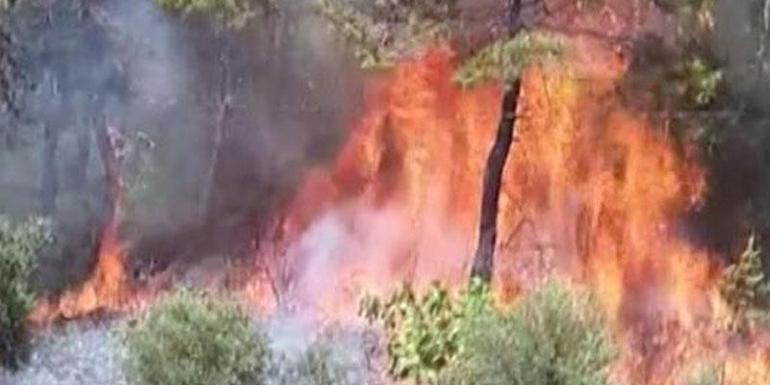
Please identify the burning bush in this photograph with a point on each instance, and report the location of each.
(191, 339)
(18, 246)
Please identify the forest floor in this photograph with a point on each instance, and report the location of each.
(91, 353)
(75, 354)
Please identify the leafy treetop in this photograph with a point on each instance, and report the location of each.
(391, 29)
(232, 14)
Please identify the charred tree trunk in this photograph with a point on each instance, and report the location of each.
(483, 261)
(220, 130)
(49, 186)
(108, 152)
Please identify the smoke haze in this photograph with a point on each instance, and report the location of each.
(156, 77)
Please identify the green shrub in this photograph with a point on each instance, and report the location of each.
(422, 333)
(192, 339)
(554, 336)
(315, 367)
(18, 246)
(327, 361)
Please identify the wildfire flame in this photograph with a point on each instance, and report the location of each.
(588, 181)
(106, 290)
(593, 189)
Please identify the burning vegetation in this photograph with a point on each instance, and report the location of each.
(499, 147)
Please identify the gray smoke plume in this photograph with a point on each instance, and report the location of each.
(157, 78)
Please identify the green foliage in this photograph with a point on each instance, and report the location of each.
(191, 339)
(380, 33)
(744, 287)
(423, 333)
(698, 82)
(18, 246)
(505, 59)
(391, 29)
(358, 31)
(555, 336)
(229, 13)
(320, 364)
(315, 368)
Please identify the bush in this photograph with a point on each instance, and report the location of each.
(314, 367)
(555, 336)
(18, 246)
(423, 333)
(192, 339)
(327, 361)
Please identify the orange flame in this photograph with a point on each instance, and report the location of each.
(592, 190)
(106, 287)
(587, 179)
(606, 192)
(106, 290)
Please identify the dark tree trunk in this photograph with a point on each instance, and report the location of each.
(49, 186)
(483, 261)
(80, 167)
(220, 130)
(108, 152)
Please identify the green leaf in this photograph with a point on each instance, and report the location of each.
(505, 59)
